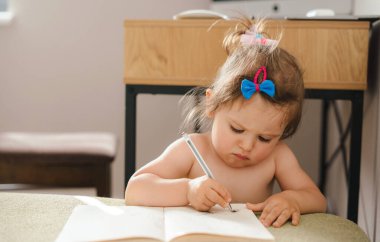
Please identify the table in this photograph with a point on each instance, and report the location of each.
(41, 217)
(333, 54)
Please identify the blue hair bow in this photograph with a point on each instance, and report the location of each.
(248, 88)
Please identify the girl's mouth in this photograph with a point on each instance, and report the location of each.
(241, 157)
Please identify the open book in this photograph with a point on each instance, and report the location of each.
(124, 223)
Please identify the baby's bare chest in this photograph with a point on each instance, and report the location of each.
(248, 184)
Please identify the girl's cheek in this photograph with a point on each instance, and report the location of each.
(264, 151)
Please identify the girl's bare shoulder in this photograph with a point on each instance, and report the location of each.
(200, 137)
(180, 148)
(284, 158)
(283, 151)
(201, 140)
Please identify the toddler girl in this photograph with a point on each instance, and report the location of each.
(252, 106)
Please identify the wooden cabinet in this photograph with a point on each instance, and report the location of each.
(333, 54)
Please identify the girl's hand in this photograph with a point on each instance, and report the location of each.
(277, 210)
(204, 193)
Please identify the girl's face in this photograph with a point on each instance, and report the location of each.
(246, 132)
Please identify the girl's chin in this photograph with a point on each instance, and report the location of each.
(237, 163)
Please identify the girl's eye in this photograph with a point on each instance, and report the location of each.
(238, 131)
(265, 140)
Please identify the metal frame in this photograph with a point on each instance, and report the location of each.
(356, 98)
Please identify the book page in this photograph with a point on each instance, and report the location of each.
(90, 223)
(181, 221)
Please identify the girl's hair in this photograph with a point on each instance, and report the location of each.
(243, 61)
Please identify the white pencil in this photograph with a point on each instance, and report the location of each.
(200, 160)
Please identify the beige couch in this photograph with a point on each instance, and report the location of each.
(41, 217)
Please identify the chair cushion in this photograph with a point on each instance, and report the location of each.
(41, 217)
(94, 143)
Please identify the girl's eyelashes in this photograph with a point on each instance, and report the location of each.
(260, 138)
(236, 130)
(265, 140)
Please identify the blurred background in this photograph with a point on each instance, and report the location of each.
(61, 70)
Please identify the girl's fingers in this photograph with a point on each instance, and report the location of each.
(222, 191)
(208, 202)
(203, 205)
(215, 197)
(267, 209)
(277, 219)
(269, 215)
(295, 218)
(256, 207)
(284, 216)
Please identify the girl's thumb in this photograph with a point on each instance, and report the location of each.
(256, 207)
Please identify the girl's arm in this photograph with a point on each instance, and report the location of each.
(299, 193)
(296, 184)
(165, 182)
(161, 182)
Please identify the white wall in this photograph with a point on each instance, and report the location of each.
(369, 203)
(366, 7)
(283, 8)
(3, 5)
(61, 66)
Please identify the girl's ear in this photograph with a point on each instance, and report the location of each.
(209, 113)
(208, 93)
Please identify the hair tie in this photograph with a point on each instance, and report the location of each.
(248, 88)
(252, 37)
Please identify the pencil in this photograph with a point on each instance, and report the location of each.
(200, 159)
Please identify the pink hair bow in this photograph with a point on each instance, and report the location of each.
(252, 37)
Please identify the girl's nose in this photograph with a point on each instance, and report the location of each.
(247, 143)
